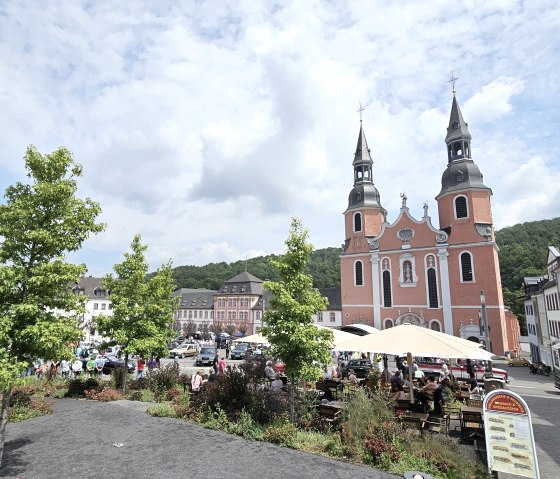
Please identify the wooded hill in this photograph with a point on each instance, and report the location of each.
(523, 252)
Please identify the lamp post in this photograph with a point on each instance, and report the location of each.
(485, 332)
(484, 321)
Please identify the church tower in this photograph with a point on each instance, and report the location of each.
(465, 214)
(363, 219)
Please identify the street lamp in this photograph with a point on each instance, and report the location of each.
(485, 332)
(484, 322)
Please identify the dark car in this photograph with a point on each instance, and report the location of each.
(240, 351)
(361, 368)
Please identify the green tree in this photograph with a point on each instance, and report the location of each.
(40, 223)
(142, 307)
(288, 324)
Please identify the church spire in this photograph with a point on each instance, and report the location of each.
(458, 138)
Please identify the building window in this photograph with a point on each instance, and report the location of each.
(95, 305)
(190, 314)
(103, 306)
(110, 305)
(258, 316)
(333, 317)
(205, 314)
(358, 222)
(359, 273)
(387, 301)
(466, 268)
(461, 210)
(435, 325)
(388, 323)
(432, 288)
(195, 314)
(319, 317)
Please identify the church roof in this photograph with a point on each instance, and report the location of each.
(461, 175)
(458, 128)
(362, 154)
(243, 283)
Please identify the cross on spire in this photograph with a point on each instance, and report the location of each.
(360, 110)
(452, 80)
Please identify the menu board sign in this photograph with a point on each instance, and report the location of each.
(509, 435)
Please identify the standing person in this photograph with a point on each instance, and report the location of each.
(196, 382)
(222, 366)
(77, 367)
(227, 349)
(141, 365)
(65, 368)
(90, 366)
(99, 363)
(53, 369)
(176, 362)
(215, 361)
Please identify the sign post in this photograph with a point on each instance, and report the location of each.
(510, 445)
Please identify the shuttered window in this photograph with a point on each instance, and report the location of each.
(461, 207)
(387, 301)
(359, 273)
(358, 222)
(432, 288)
(466, 267)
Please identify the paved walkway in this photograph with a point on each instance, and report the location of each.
(79, 441)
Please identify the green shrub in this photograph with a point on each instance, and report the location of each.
(216, 418)
(375, 447)
(77, 387)
(361, 415)
(162, 380)
(106, 394)
(283, 434)
(162, 410)
(35, 408)
(21, 396)
(266, 407)
(172, 394)
(246, 426)
(231, 392)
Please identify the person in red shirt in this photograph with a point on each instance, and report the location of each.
(222, 366)
(140, 367)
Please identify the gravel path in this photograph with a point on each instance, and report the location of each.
(78, 441)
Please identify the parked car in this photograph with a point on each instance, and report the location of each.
(240, 351)
(205, 355)
(519, 362)
(184, 350)
(361, 368)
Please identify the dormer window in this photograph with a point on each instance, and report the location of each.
(234, 289)
(225, 289)
(455, 125)
(459, 177)
(243, 289)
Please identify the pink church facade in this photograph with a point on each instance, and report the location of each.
(410, 271)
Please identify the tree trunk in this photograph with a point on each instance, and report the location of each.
(6, 394)
(292, 399)
(124, 374)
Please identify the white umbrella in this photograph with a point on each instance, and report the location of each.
(418, 341)
(340, 337)
(254, 338)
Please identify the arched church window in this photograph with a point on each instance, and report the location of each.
(432, 288)
(358, 222)
(387, 299)
(461, 210)
(466, 267)
(359, 273)
(388, 323)
(435, 325)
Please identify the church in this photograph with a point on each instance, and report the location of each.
(409, 271)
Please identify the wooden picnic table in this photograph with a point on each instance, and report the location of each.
(471, 409)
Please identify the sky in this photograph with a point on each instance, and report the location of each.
(205, 126)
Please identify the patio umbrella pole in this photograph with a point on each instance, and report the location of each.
(410, 385)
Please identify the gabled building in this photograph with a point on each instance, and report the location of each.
(542, 309)
(411, 271)
(98, 302)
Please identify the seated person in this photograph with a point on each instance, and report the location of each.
(277, 384)
(352, 377)
(335, 372)
(269, 371)
(418, 373)
(431, 392)
(326, 373)
(212, 375)
(396, 382)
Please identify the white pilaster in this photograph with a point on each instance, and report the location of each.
(445, 291)
(376, 290)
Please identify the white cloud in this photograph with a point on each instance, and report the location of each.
(205, 126)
